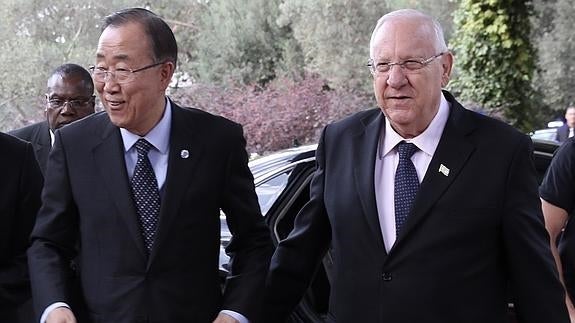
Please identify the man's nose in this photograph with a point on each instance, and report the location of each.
(110, 85)
(396, 77)
(67, 108)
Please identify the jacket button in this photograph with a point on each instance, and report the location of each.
(387, 277)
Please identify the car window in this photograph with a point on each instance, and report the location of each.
(269, 190)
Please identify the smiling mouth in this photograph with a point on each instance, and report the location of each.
(113, 103)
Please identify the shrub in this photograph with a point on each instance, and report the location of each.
(283, 114)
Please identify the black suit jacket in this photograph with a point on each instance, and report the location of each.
(87, 202)
(20, 189)
(468, 235)
(562, 133)
(39, 135)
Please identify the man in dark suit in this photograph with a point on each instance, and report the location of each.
(135, 194)
(430, 210)
(20, 189)
(567, 130)
(69, 97)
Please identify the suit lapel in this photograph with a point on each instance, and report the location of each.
(184, 153)
(110, 163)
(452, 152)
(365, 150)
(42, 145)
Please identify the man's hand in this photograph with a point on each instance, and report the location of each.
(224, 318)
(61, 315)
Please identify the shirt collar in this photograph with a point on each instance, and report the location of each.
(159, 136)
(427, 141)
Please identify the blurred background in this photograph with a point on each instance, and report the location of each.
(285, 68)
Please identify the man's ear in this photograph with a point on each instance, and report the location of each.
(166, 72)
(447, 66)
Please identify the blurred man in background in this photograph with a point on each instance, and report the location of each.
(69, 97)
(567, 130)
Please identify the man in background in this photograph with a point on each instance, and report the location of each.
(567, 130)
(69, 97)
(20, 189)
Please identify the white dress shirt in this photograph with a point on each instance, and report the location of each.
(388, 159)
(159, 138)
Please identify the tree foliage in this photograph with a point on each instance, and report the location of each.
(240, 41)
(282, 114)
(555, 41)
(334, 37)
(495, 58)
(228, 43)
(40, 36)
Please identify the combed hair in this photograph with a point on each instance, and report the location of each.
(163, 41)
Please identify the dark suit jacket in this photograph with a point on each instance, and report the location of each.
(562, 133)
(39, 135)
(87, 201)
(468, 234)
(20, 189)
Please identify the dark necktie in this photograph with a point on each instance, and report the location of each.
(406, 184)
(146, 193)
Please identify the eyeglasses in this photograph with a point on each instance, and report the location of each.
(410, 65)
(120, 75)
(56, 103)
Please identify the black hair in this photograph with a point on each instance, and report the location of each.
(163, 41)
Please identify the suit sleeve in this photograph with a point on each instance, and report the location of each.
(54, 236)
(14, 280)
(537, 292)
(298, 257)
(250, 247)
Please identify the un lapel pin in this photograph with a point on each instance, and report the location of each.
(444, 170)
(184, 153)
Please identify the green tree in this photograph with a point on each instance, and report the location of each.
(556, 46)
(441, 10)
(495, 58)
(40, 35)
(239, 41)
(333, 36)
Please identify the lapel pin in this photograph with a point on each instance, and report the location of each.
(184, 153)
(444, 170)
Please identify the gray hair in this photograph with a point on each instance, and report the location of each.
(440, 43)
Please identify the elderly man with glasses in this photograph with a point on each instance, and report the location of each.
(430, 211)
(135, 193)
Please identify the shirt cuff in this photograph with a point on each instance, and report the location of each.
(50, 308)
(236, 315)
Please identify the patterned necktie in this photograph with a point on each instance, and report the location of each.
(406, 184)
(146, 193)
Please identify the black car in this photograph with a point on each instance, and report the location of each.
(282, 184)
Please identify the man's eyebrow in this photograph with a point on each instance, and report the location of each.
(118, 56)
